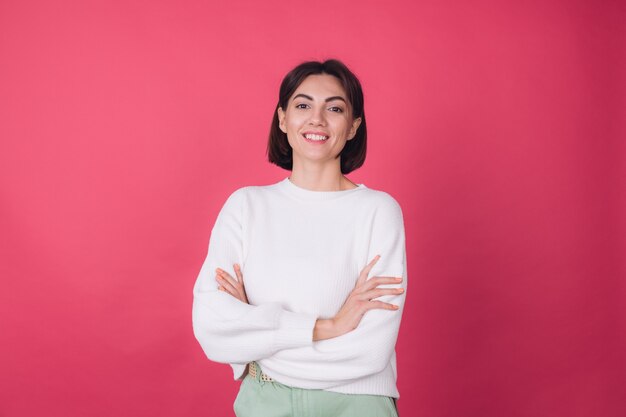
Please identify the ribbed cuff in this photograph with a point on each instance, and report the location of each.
(295, 330)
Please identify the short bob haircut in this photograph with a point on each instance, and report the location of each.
(352, 156)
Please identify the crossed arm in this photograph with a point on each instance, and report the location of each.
(360, 300)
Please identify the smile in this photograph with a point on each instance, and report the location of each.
(315, 137)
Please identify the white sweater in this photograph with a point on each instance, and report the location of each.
(301, 252)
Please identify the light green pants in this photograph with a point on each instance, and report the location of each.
(257, 398)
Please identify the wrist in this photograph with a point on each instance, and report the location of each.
(324, 329)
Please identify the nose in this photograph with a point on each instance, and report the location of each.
(317, 117)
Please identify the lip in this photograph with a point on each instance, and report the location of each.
(315, 132)
(315, 142)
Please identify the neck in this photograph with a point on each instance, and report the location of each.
(320, 177)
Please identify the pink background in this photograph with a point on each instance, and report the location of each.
(498, 126)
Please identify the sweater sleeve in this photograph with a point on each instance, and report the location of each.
(229, 330)
(369, 348)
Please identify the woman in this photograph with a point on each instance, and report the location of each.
(312, 329)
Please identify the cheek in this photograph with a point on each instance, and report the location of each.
(292, 130)
(288, 123)
(343, 126)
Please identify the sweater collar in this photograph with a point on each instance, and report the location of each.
(304, 193)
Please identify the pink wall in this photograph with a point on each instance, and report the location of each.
(498, 126)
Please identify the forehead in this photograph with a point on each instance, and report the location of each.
(321, 86)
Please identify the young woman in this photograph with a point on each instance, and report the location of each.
(312, 329)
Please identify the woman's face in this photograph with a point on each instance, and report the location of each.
(318, 120)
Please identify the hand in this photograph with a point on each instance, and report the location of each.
(360, 300)
(230, 285)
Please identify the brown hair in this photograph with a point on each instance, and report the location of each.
(352, 156)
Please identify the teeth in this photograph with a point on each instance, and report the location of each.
(315, 137)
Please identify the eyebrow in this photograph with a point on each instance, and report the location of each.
(327, 100)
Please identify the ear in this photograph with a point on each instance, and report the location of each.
(281, 119)
(355, 126)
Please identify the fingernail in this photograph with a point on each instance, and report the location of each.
(398, 279)
(400, 290)
(395, 307)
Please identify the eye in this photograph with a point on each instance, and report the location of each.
(302, 106)
(336, 109)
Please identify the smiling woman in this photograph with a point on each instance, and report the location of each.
(313, 329)
(317, 93)
(318, 114)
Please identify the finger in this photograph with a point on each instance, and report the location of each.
(232, 281)
(365, 271)
(240, 277)
(236, 285)
(376, 281)
(238, 273)
(221, 288)
(226, 284)
(240, 288)
(381, 305)
(379, 292)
